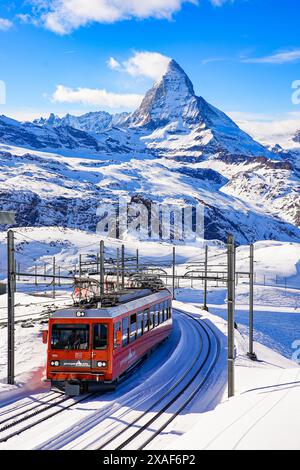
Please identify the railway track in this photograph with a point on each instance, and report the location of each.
(10, 410)
(30, 414)
(164, 407)
(189, 389)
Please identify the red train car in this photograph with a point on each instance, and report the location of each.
(91, 348)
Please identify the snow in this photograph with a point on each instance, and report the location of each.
(264, 414)
(176, 148)
(264, 389)
(76, 163)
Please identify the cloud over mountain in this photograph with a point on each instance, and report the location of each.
(96, 97)
(142, 64)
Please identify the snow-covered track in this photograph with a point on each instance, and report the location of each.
(27, 415)
(178, 396)
(10, 412)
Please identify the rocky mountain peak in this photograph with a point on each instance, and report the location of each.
(296, 137)
(170, 99)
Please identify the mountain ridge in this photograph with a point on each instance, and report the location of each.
(175, 148)
(171, 121)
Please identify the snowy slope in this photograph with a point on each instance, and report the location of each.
(56, 190)
(263, 414)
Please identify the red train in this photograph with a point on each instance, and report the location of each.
(93, 344)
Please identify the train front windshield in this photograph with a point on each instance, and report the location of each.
(65, 336)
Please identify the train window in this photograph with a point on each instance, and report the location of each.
(65, 336)
(133, 327)
(100, 336)
(147, 320)
(140, 324)
(125, 331)
(117, 327)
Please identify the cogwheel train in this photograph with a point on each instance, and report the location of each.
(92, 345)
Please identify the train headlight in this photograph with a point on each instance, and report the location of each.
(79, 314)
(54, 363)
(101, 364)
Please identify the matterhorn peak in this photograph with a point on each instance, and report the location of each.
(171, 99)
(177, 76)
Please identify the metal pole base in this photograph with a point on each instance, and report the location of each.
(252, 356)
(205, 308)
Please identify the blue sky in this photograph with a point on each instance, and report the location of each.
(242, 55)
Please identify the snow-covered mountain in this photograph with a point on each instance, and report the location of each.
(179, 124)
(93, 122)
(175, 148)
(171, 121)
(296, 137)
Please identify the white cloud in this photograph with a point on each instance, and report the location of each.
(282, 57)
(268, 129)
(113, 64)
(64, 16)
(99, 97)
(25, 18)
(5, 24)
(142, 64)
(219, 3)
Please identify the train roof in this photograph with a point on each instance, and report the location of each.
(115, 311)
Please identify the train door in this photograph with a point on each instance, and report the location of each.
(100, 346)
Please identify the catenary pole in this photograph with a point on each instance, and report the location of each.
(123, 267)
(251, 352)
(230, 311)
(53, 282)
(118, 269)
(205, 279)
(173, 271)
(101, 267)
(11, 281)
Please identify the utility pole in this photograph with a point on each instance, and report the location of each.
(59, 283)
(53, 282)
(173, 272)
(35, 275)
(205, 280)
(98, 262)
(251, 352)
(80, 274)
(118, 269)
(80, 265)
(15, 276)
(230, 311)
(102, 267)
(11, 281)
(123, 267)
